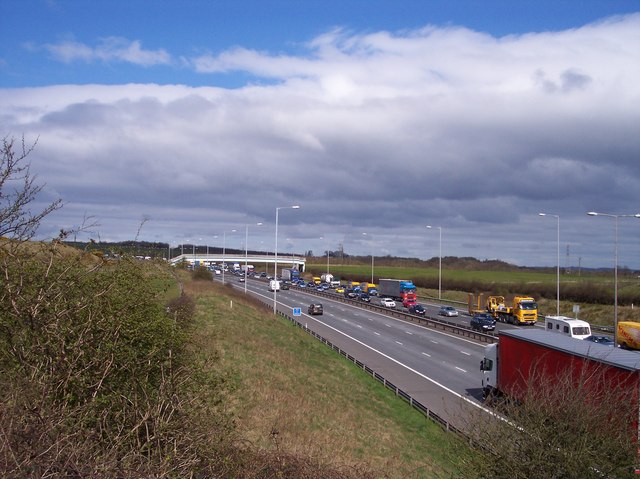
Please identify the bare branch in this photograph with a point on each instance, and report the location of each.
(17, 191)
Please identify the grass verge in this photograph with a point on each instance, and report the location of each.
(293, 394)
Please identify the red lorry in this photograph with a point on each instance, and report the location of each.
(522, 357)
(530, 365)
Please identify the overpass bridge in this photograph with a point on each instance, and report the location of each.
(261, 262)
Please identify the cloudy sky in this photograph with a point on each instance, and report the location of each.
(376, 117)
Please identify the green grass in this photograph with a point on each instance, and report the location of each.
(295, 394)
(516, 276)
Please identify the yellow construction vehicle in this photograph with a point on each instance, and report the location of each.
(521, 310)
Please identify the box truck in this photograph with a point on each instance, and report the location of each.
(399, 289)
(521, 358)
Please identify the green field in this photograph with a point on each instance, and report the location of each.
(456, 284)
(503, 277)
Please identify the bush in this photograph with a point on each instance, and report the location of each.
(202, 273)
(95, 378)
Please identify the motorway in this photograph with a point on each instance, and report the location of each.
(439, 369)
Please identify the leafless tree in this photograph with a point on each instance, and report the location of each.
(18, 191)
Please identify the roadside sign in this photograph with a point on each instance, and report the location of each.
(297, 311)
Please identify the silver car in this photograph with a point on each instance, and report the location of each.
(448, 311)
(388, 302)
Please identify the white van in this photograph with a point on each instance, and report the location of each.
(274, 285)
(576, 328)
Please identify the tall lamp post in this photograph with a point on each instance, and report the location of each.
(365, 234)
(246, 253)
(224, 251)
(558, 264)
(275, 263)
(326, 244)
(615, 267)
(439, 260)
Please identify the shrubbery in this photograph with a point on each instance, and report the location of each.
(95, 377)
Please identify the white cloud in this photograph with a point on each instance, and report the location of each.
(110, 49)
(379, 132)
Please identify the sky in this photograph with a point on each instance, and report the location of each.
(192, 121)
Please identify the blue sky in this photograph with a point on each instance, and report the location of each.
(378, 117)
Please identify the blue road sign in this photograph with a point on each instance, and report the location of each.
(297, 311)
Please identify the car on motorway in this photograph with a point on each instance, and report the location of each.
(362, 296)
(388, 303)
(284, 285)
(606, 340)
(483, 322)
(315, 308)
(350, 293)
(340, 289)
(417, 309)
(448, 311)
(241, 279)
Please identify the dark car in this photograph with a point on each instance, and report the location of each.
(417, 309)
(364, 297)
(284, 285)
(605, 340)
(350, 293)
(315, 308)
(483, 322)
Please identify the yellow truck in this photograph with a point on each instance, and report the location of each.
(629, 335)
(520, 310)
(370, 288)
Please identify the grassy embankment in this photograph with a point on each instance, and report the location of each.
(594, 312)
(294, 394)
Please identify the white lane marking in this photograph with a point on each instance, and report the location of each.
(465, 353)
(388, 325)
(427, 355)
(409, 332)
(434, 341)
(399, 343)
(418, 373)
(376, 333)
(460, 369)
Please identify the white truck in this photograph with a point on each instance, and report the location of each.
(326, 278)
(274, 285)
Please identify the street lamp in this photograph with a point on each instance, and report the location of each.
(558, 265)
(365, 234)
(246, 253)
(615, 268)
(275, 263)
(224, 250)
(439, 261)
(326, 244)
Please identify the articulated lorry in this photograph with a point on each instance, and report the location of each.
(528, 361)
(399, 289)
(522, 309)
(524, 358)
